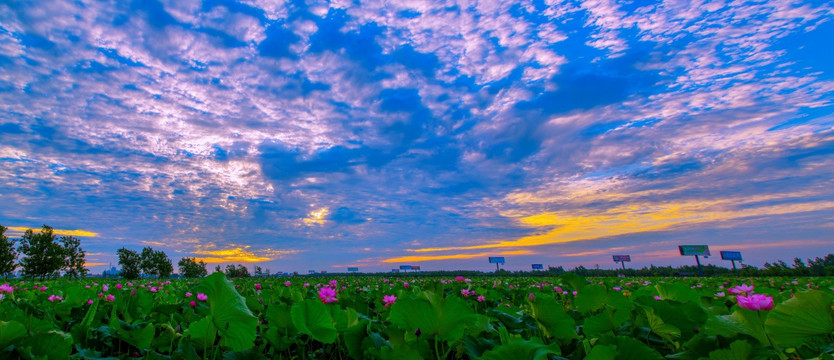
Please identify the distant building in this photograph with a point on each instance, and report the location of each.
(112, 273)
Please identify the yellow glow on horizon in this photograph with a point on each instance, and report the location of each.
(240, 254)
(418, 258)
(316, 216)
(567, 226)
(81, 233)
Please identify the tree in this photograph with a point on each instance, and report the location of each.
(191, 268)
(233, 271)
(155, 263)
(218, 269)
(147, 264)
(258, 271)
(129, 260)
(8, 254)
(163, 265)
(42, 255)
(74, 257)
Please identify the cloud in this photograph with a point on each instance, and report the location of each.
(416, 125)
(59, 232)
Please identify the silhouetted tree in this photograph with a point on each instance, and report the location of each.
(155, 263)
(129, 260)
(74, 257)
(42, 256)
(191, 268)
(8, 253)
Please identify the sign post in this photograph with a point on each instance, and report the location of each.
(496, 260)
(622, 259)
(353, 269)
(697, 250)
(732, 256)
(538, 266)
(405, 267)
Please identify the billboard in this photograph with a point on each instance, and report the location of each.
(623, 258)
(731, 255)
(405, 267)
(353, 269)
(395, 270)
(688, 250)
(496, 260)
(311, 271)
(415, 267)
(538, 267)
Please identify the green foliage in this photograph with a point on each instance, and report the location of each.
(234, 321)
(8, 253)
(808, 314)
(191, 268)
(129, 261)
(43, 256)
(431, 318)
(313, 318)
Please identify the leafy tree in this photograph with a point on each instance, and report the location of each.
(8, 254)
(42, 255)
(164, 267)
(74, 257)
(191, 268)
(147, 264)
(155, 263)
(258, 271)
(218, 269)
(130, 261)
(233, 271)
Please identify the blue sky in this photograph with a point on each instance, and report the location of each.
(319, 135)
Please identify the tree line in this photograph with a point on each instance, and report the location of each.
(43, 254)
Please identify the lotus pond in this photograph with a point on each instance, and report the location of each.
(403, 317)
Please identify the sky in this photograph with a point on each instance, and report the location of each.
(311, 135)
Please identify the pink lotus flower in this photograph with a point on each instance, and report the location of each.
(405, 285)
(531, 297)
(104, 288)
(327, 295)
(119, 286)
(465, 292)
(202, 297)
(54, 298)
(743, 288)
(43, 288)
(334, 283)
(257, 286)
(617, 288)
(389, 300)
(6, 288)
(306, 285)
(755, 302)
(192, 303)
(287, 284)
(154, 289)
(90, 302)
(188, 294)
(481, 298)
(110, 298)
(657, 297)
(720, 294)
(459, 278)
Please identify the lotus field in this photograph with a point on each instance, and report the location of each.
(566, 317)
